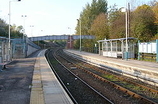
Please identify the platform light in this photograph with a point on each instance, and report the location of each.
(70, 37)
(126, 10)
(9, 48)
(79, 20)
(24, 17)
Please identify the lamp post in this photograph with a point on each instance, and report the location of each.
(126, 27)
(80, 34)
(9, 48)
(9, 30)
(31, 26)
(24, 16)
(126, 15)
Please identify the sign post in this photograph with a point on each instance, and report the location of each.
(138, 50)
(157, 50)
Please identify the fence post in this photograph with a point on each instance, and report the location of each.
(138, 50)
(157, 50)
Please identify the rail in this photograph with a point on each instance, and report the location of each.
(48, 52)
(133, 94)
(56, 57)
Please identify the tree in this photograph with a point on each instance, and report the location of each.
(87, 17)
(155, 11)
(142, 24)
(19, 28)
(85, 21)
(116, 23)
(77, 44)
(15, 31)
(3, 28)
(89, 13)
(100, 28)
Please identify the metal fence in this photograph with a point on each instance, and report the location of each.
(4, 50)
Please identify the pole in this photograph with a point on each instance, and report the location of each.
(128, 14)
(80, 37)
(157, 50)
(79, 21)
(138, 50)
(126, 53)
(9, 31)
(24, 16)
(70, 36)
(99, 48)
(31, 29)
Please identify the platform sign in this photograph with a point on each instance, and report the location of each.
(147, 47)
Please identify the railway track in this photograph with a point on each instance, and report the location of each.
(142, 93)
(78, 90)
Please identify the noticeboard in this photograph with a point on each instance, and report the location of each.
(147, 47)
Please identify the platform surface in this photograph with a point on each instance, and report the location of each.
(15, 81)
(148, 66)
(46, 88)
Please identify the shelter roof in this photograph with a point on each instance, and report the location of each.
(120, 39)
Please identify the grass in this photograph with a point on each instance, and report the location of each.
(110, 77)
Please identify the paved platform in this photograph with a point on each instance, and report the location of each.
(31, 81)
(15, 81)
(142, 69)
(46, 88)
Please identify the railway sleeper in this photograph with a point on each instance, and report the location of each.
(132, 94)
(149, 89)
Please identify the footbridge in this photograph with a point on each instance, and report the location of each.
(61, 37)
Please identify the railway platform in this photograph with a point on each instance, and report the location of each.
(15, 81)
(147, 71)
(31, 81)
(46, 89)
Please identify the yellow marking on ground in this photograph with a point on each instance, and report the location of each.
(37, 96)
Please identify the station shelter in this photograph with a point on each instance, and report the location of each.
(117, 47)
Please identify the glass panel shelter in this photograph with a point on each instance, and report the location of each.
(117, 47)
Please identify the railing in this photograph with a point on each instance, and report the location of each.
(147, 57)
(90, 49)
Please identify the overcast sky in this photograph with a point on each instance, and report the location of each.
(48, 17)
